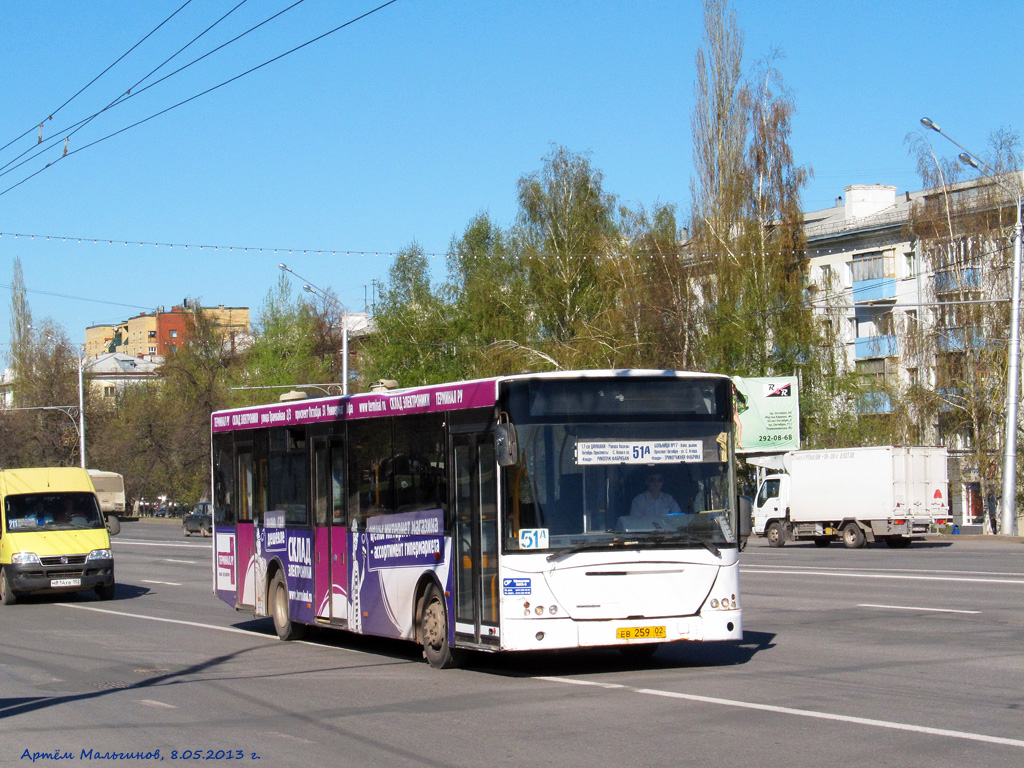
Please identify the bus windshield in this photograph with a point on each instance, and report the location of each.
(595, 485)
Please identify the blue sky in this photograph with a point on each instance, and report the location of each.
(402, 126)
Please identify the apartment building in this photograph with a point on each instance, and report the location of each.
(152, 335)
(915, 302)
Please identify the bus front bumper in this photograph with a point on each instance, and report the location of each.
(557, 633)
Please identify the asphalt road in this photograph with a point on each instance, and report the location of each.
(851, 657)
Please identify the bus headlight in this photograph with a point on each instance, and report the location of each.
(724, 603)
(25, 558)
(100, 554)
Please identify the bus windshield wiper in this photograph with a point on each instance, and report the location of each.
(686, 538)
(592, 545)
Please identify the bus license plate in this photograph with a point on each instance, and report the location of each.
(640, 633)
(65, 582)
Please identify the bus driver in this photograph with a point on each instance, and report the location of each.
(650, 506)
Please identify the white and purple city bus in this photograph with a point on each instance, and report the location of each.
(516, 513)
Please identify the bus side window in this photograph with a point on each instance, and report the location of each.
(369, 481)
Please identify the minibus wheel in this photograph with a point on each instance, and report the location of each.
(7, 595)
(105, 591)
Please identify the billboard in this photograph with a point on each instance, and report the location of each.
(767, 414)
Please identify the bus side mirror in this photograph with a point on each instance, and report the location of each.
(506, 446)
(113, 525)
(745, 507)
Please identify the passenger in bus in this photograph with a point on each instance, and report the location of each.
(652, 505)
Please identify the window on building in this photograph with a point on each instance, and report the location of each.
(873, 266)
(174, 334)
(873, 373)
(152, 334)
(825, 276)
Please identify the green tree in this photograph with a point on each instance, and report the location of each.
(41, 427)
(492, 324)
(289, 345)
(412, 342)
(565, 225)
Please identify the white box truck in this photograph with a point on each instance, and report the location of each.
(882, 493)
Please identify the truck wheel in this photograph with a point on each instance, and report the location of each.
(853, 536)
(205, 531)
(286, 629)
(776, 535)
(898, 542)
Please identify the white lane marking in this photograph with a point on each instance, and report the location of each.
(235, 630)
(900, 576)
(186, 562)
(802, 713)
(166, 621)
(889, 570)
(165, 583)
(913, 608)
(152, 703)
(163, 544)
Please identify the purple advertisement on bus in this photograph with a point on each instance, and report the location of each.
(473, 394)
(388, 559)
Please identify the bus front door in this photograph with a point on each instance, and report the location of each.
(476, 539)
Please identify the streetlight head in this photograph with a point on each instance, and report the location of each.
(928, 123)
(966, 159)
(284, 267)
(307, 288)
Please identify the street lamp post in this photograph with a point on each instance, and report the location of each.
(1008, 506)
(310, 288)
(81, 408)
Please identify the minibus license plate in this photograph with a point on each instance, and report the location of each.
(65, 582)
(640, 633)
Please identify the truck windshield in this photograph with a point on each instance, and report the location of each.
(579, 486)
(52, 511)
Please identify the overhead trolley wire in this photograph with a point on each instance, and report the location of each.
(131, 92)
(202, 93)
(101, 74)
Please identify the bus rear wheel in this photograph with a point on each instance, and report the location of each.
(286, 629)
(434, 631)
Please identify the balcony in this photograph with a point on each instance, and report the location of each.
(875, 289)
(876, 346)
(874, 403)
(958, 281)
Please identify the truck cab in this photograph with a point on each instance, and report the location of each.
(770, 507)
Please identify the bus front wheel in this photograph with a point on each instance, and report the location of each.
(434, 630)
(286, 629)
